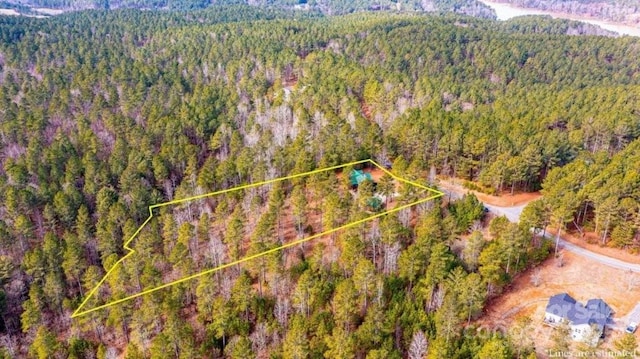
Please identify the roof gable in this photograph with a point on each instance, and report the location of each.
(560, 299)
(599, 306)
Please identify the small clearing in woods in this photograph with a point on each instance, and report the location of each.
(580, 278)
(505, 199)
(376, 174)
(508, 200)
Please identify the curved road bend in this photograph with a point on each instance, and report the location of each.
(513, 214)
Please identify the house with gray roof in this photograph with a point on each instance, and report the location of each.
(582, 319)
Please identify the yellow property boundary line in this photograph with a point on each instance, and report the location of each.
(79, 312)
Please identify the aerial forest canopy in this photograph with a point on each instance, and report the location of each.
(330, 7)
(103, 113)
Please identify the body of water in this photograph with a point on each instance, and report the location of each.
(508, 11)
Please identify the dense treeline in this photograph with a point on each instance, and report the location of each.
(615, 10)
(104, 113)
(330, 7)
(115, 4)
(534, 24)
(595, 193)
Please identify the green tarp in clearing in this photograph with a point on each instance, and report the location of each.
(358, 176)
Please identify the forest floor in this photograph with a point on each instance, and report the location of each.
(578, 277)
(376, 173)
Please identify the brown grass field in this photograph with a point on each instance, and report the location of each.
(581, 279)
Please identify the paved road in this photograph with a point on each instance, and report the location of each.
(513, 214)
(611, 262)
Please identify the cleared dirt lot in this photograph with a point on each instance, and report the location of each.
(581, 279)
(505, 199)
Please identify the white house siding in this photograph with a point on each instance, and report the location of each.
(552, 318)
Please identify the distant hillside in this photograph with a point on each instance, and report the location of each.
(330, 7)
(624, 11)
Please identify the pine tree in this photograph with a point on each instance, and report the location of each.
(344, 304)
(340, 344)
(299, 203)
(627, 346)
(387, 187)
(560, 338)
(296, 343)
(495, 348)
(45, 345)
(364, 280)
(472, 295)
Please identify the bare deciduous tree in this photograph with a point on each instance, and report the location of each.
(437, 299)
(281, 310)
(404, 216)
(259, 338)
(391, 254)
(632, 280)
(419, 345)
(217, 253)
(560, 259)
(536, 277)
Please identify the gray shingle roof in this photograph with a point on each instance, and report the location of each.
(562, 298)
(558, 302)
(599, 306)
(595, 312)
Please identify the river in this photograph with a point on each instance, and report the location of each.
(508, 11)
